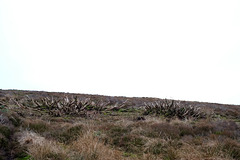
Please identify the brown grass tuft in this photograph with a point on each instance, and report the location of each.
(89, 147)
(39, 148)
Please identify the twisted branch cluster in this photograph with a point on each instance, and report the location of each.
(69, 106)
(65, 106)
(170, 109)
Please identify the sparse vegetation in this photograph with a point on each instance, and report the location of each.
(34, 126)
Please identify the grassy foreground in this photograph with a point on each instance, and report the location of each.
(58, 126)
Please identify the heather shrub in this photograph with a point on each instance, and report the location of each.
(226, 128)
(203, 128)
(186, 130)
(38, 126)
(164, 130)
(5, 131)
(232, 148)
(67, 134)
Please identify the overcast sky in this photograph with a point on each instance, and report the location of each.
(186, 49)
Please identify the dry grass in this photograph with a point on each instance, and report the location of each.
(153, 138)
(36, 125)
(89, 147)
(47, 150)
(123, 134)
(191, 152)
(39, 148)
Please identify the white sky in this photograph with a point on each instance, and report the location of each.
(184, 49)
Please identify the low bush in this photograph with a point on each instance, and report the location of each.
(156, 148)
(203, 128)
(120, 136)
(232, 148)
(4, 130)
(67, 134)
(129, 143)
(226, 128)
(186, 130)
(38, 126)
(164, 130)
(3, 141)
